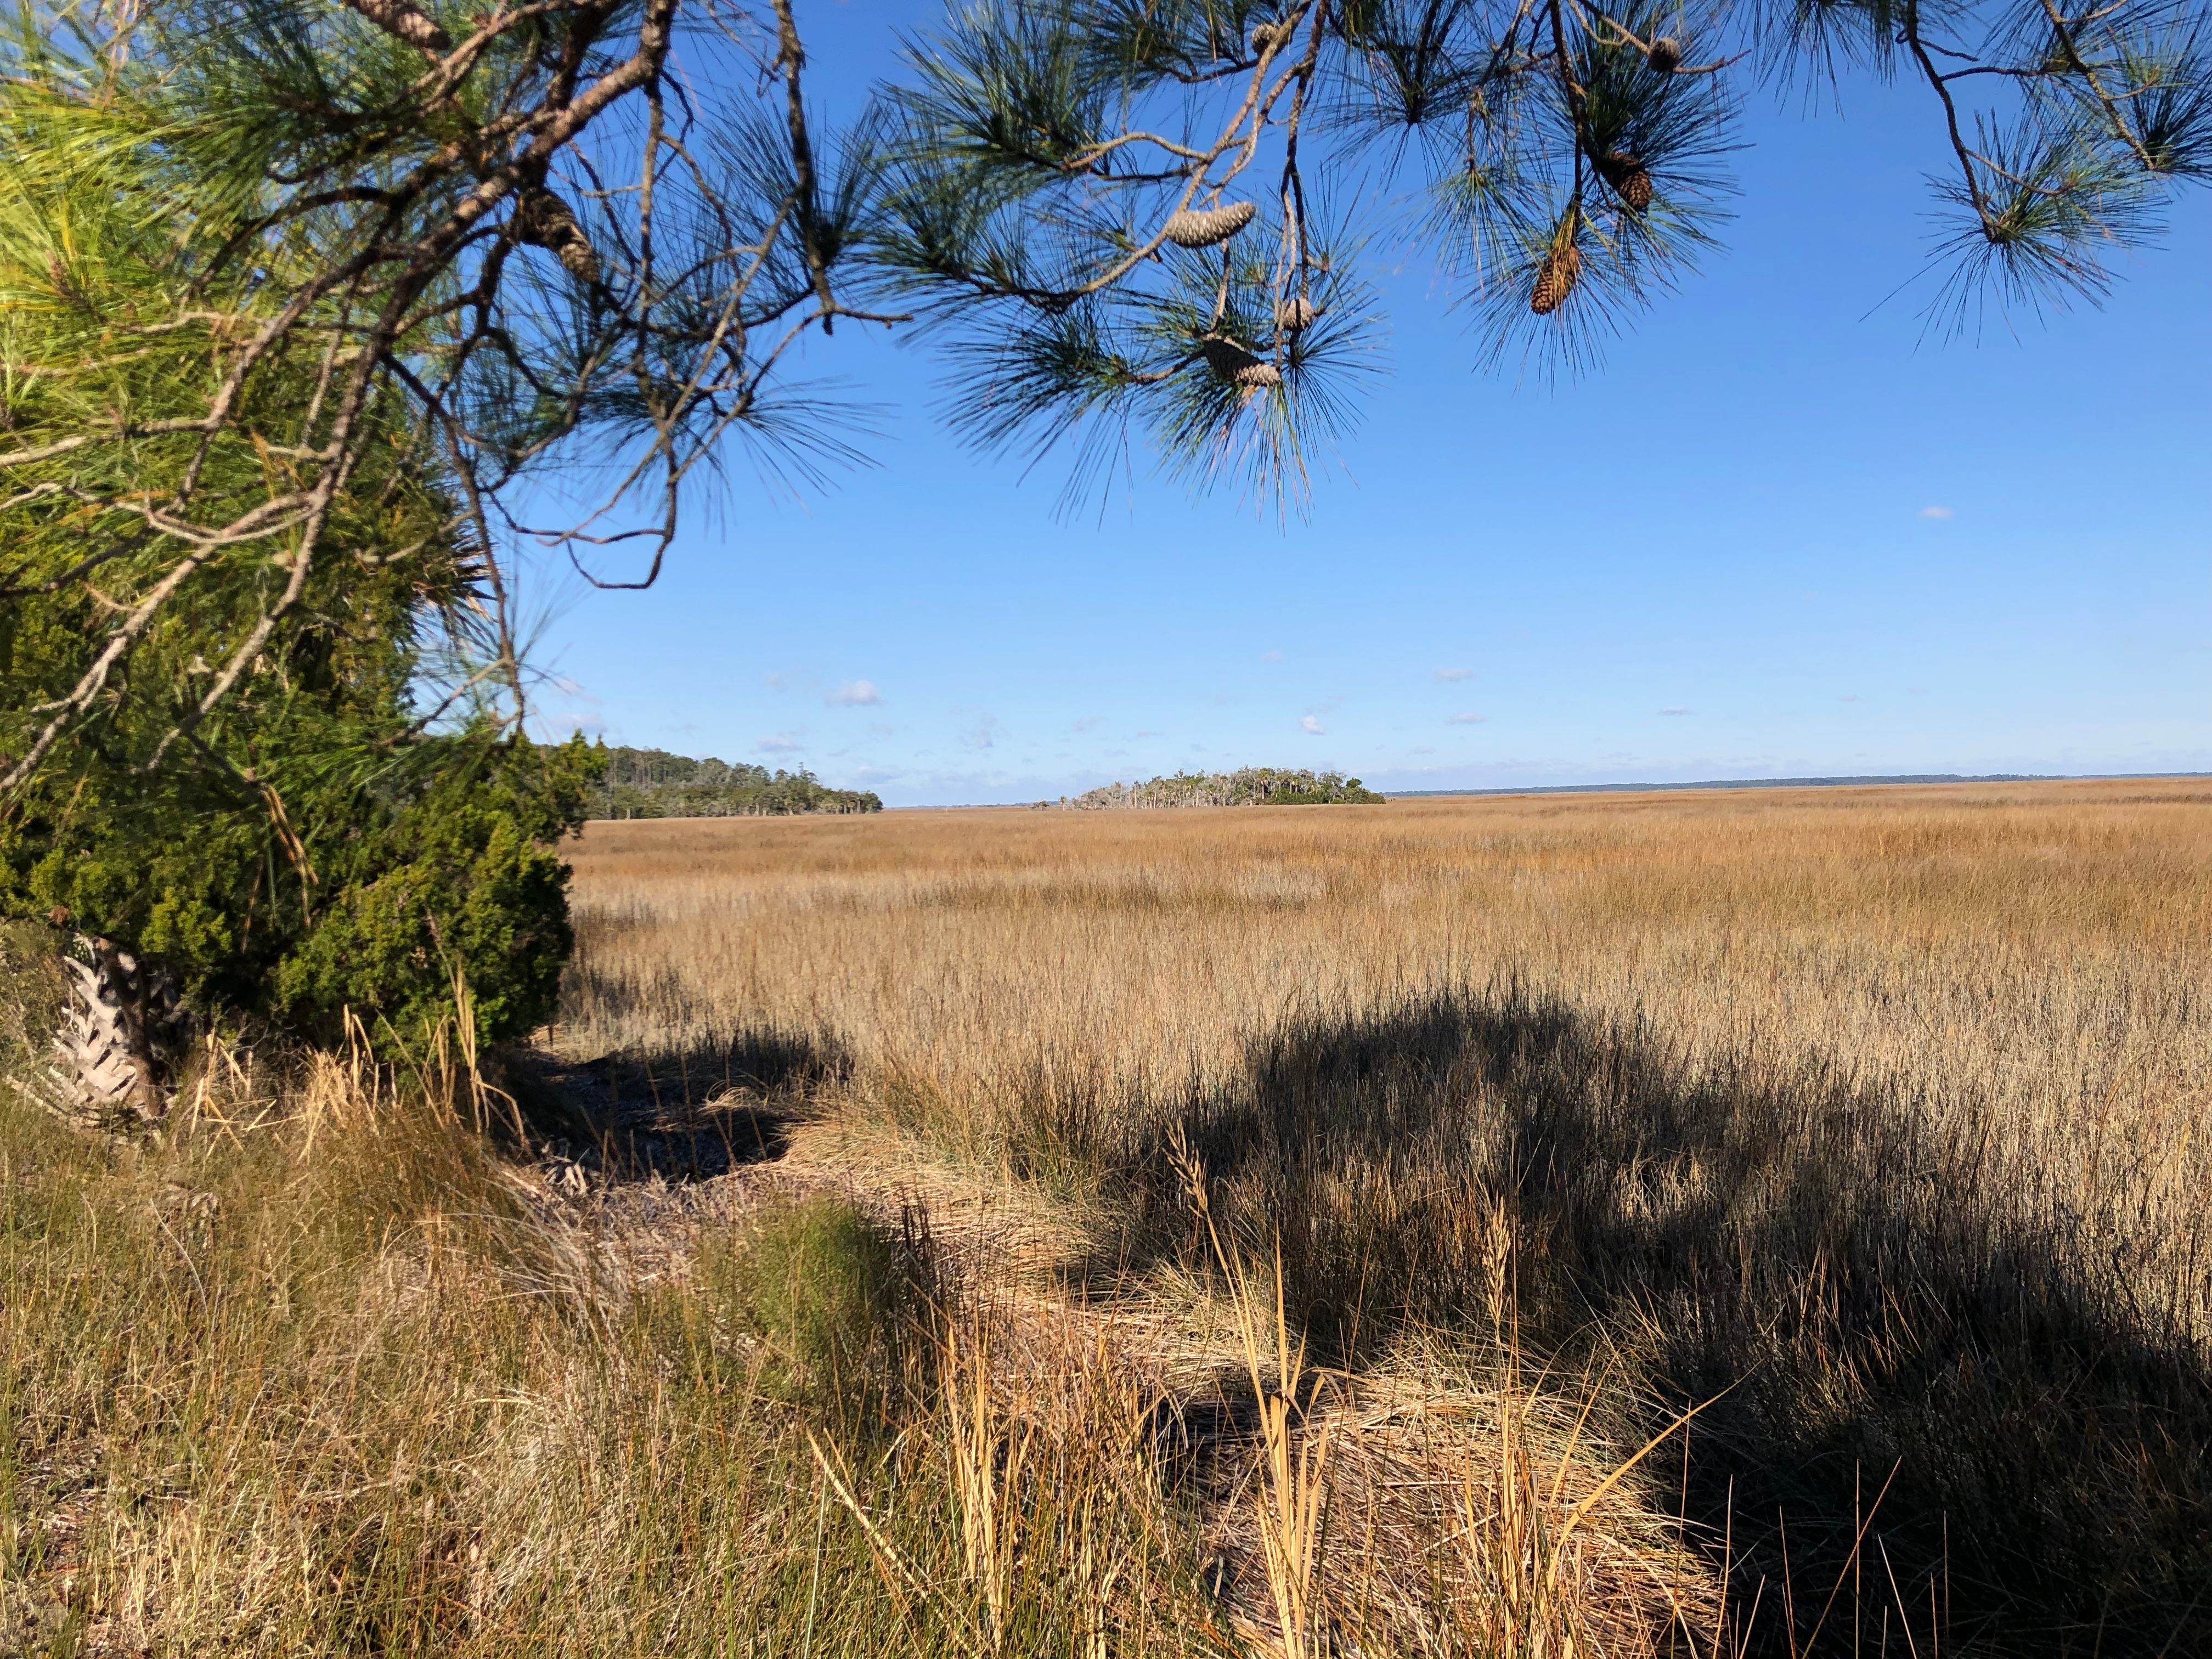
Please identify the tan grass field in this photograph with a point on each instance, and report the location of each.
(1525, 1227)
(1887, 1110)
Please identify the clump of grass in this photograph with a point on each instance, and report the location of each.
(30, 995)
(839, 1301)
(315, 1375)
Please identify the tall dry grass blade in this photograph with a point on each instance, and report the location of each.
(988, 1456)
(1290, 1506)
(898, 1573)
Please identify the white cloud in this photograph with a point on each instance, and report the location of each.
(856, 693)
(1309, 725)
(782, 743)
(1089, 722)
(1674, 711)
(1470, 718)
(573, 709)
(983, 732)
(1849, 696)
(1452, 674)
(1270, 656)
(1935, 511)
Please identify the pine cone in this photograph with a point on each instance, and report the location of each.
(1665, 56)
(579, 258)
(1555, 279)
(404, 22)
(544, 220)
(1204, 226)
(1628, 178)
(1295, 316)
(1232, 363)
(1267, 35)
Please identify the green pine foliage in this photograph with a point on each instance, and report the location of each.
(651, 783)
(1251, 785)
(1149, 221)
(341, 830)
(461, 876)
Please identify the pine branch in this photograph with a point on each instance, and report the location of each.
(404, 23)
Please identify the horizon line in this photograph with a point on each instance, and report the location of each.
(1865, 779)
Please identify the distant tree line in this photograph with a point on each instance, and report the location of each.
(651, 783)
(1252, 786)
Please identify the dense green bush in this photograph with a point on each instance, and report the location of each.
(373, 893)
(335, 832)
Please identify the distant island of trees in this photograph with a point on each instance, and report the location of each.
(1253, 785)
(651, 783)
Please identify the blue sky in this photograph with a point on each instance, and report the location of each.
(1778, 532)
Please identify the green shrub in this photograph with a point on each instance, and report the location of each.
(342, 827)
(373, 896)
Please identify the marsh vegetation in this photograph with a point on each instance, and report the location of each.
(1636, 1225)
(1877, 1118)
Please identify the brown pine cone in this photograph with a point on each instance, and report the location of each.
(544, 220)
(1628, 178)
(1555, 279)
(1234, 363)
(1204, 227)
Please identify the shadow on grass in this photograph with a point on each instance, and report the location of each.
(683, 1116)
(1903, 1339)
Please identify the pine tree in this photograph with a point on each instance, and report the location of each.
(306, 843)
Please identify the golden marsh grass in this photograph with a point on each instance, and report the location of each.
(1885, 1115)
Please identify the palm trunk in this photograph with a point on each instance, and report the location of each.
(106, 1063)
